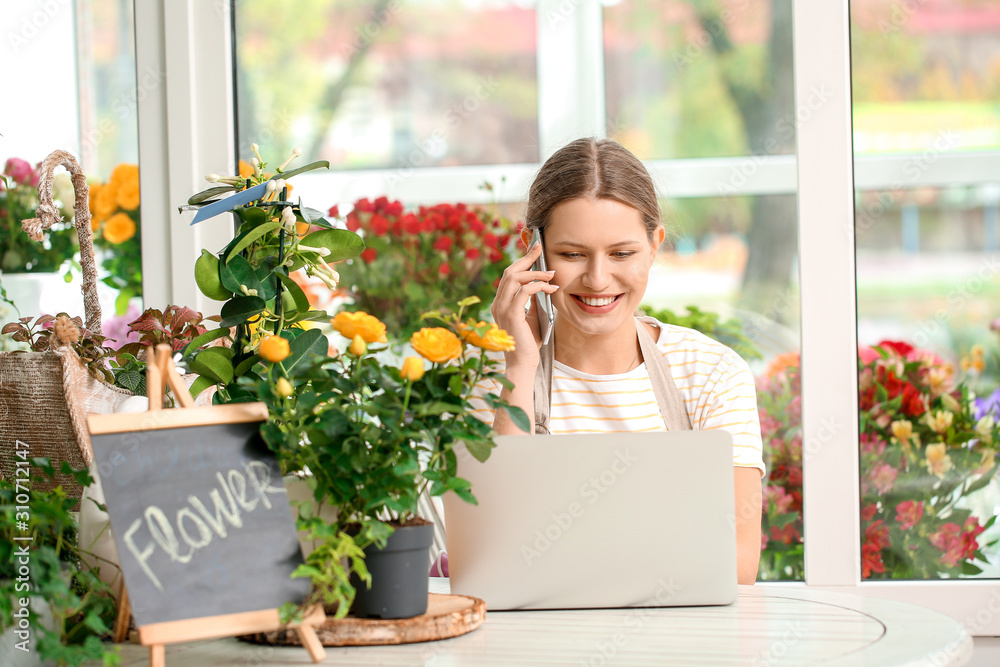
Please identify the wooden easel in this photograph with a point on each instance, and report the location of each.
(159, 374)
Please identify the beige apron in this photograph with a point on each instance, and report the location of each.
(668, 398)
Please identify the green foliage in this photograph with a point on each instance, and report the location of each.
(18, 253)
(81, 605)
(728, 332)
(253, 276)
(373, 439)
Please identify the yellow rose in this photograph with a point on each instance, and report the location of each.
(358, 346)
(122, 174)
(119, 228)
(359, 324)
(127, 196)
(436, 344)
(412, 369)
(104, 202)
(494, 339)
(937, 460)
(274, 349)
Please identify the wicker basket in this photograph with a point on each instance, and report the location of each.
(45, 397)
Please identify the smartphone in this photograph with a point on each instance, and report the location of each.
(543, 302)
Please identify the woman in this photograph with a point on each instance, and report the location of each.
(606, 370)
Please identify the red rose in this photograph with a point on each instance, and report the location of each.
(381, 204)
(871, 560)
(787, 534)
(443, 244)
(444, 269)
(475, 225)
(379, 225)
(878, 534)
(369, 255)
(352, 221)
(394, 209)
(334, 211)
(490, 240)
(364, 206)
(897, 346)
(495, 255)
(472, 254)
(913, 403)
(411, 225)
(794, 476)
(868, 511)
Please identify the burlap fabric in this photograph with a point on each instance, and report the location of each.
(45, 397)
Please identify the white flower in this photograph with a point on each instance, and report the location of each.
(984, 427)
(288, 218)
(270, 187)
(212, 178)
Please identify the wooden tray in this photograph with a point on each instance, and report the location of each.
(447, 616)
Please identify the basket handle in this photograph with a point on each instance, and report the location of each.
(48, 215)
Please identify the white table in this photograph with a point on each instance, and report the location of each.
(767, 626)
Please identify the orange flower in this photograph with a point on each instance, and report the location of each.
(274, 349)
(494, 339)
(246, 171)
(104, 203)
(125, 183)
(436, 344)
(119, 228)
(359, 324)
(781, 363)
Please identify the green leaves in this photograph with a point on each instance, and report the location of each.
(206, 276)
(241, 309)
(319, 164)
(250, 236)
(211, 193)
(341, 243)
(214, 363)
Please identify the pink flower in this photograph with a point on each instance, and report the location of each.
(778, 498)
(883, 476)
(867, 354)
(872, 444)
(21, 171)
(948, 539)
(909, 513)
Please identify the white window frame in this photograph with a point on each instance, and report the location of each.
(186, 130)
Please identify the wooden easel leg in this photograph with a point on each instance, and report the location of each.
(157, 656)
(124, 615)
(307, 635)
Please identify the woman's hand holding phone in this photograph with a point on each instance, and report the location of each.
(520, 282)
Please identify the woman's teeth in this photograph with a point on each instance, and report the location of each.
(597, 302)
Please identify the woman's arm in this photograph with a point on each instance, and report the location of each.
(749, 496)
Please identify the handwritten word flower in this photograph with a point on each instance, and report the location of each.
(436, 344)
(274, 349)
(359, 324)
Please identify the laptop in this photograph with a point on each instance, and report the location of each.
(597, 521)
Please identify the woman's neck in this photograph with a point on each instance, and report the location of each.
(599, 354)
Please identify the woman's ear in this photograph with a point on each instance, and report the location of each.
(658, 236)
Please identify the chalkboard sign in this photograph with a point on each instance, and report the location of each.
(199, 512)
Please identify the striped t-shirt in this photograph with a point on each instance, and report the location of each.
(715, 383)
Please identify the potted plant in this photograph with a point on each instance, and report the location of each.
(416, 260)
(70, 611)
(253, 276)
(29, 267)
(373, 437)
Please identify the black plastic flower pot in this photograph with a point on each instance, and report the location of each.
(399, 576)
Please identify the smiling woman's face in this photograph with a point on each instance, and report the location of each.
(601, 254)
